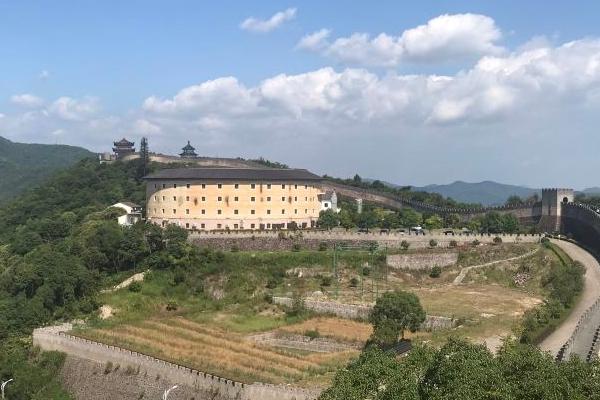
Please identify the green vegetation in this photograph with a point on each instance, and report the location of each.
(462, 370)
(23, 166)
(393, 313)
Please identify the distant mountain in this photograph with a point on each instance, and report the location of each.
(487, 193)
(592, 191)
(23, 165)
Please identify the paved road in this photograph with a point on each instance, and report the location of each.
(590, 293)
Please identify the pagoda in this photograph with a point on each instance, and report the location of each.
(123, 148)
(188, 151)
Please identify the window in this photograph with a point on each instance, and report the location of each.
(175, 186)
(219, 186)
(235, 212)
(219, 212)
(155, 198)
(164, 198)
(187, 211)
(203, 186)
(235, 226)
(306, 211)
(218, 226)
(203, 212)
(252, 226)
(252, 198)
(155, 185)
(164, 185)
(187, 185)
(306, 199)
(219, 198)
(252, 186)
(296, 211)
(155, 211)
(187, 225)
(268, 212)
(282, 198)
(174, 198)
(237, 186)
(202, 226)
(187, 198)
(268, 226)
(268, 186)
(163, 210)
(283, 186)
(203, 198)
(295, 186)
(268, 198)
(174, 211)
(235, 198)
(295, 198)
(283, 211)
(252, 212)
(305, 186)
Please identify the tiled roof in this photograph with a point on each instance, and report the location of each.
(250, 174)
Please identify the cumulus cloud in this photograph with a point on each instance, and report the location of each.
(71, 109)
(444, 38)
(253, 24)
(27, 100)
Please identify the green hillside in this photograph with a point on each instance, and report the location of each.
(24, 165)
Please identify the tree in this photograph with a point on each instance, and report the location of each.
(368, 219)
(393, 313)
(514, 200)
(346, 219)
(452, 220)
(409, 217)
(434, 222)
(328, 219)
(357, 179)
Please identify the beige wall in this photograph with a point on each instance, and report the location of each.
(251, 204)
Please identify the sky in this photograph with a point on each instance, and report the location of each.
(412, 93)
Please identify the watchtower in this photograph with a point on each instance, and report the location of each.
(552, 200)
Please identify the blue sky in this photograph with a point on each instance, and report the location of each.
(466, 97)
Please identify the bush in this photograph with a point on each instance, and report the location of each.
(452, 243)
(135, 287)
(435, 272)
(281, 235)
(312, 334)
(475, 242)
(366, 271)
(172, 305)
(272, 283)
(404, 245)
(354, 282)
(108, 368)
(433, 243)
(497, 240)
(296, 247)
(322, 246)
(268, 298)
(326, 281)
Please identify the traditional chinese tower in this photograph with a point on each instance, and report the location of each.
(188, 151)
(123, 148)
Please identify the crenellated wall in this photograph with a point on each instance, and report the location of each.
(582, 223)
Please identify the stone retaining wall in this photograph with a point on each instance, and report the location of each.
(361, 312)
(53, 338)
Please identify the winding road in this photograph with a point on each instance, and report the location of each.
(590, 293)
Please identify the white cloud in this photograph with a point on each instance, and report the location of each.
(43, 75)
(259, 25)
(314, 41)
(27, 100)
(444, 38)
(145, 127)
(71, 109)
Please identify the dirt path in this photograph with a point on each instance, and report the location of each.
(463, 272)
(133, 278)
(590, 293)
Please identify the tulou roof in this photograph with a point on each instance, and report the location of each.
(250, 174)
(123, 142)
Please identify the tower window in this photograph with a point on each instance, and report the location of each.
(252, 212)
(235, 212)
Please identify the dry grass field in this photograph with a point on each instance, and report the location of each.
(221, 352)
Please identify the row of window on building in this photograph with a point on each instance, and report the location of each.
(235, 186)
(236, 198)
(252, 226)
(235, 212)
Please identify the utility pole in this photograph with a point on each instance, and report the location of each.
(4, 385)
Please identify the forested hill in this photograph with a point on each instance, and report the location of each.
(24, 165)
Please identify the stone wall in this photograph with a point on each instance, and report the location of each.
(139, 368)
(361, 312)
(418, 261)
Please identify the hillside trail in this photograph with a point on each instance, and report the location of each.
(133, 278)
(590, 293)
(464, 271)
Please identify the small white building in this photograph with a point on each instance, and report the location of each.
(328, 201)
(133, 213)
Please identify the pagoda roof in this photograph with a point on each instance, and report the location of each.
(123, 142)
(188, 147)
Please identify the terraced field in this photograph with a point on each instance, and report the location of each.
(221, 353)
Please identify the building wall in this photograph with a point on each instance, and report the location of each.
(207, 205)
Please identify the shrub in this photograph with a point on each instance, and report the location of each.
(452, 243)
(235, 249)
(475, 242)
(433, 243)
(296, 247)
(326, 281)
(135, 286)
(312, 334)
(322, 246)
(281, 235)
(435, 272)
(108, 368)
(497, 240)
(366, 271)
(404, 245)
(354, 282)
(268, 298)
(272, 283)
(172, 305)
